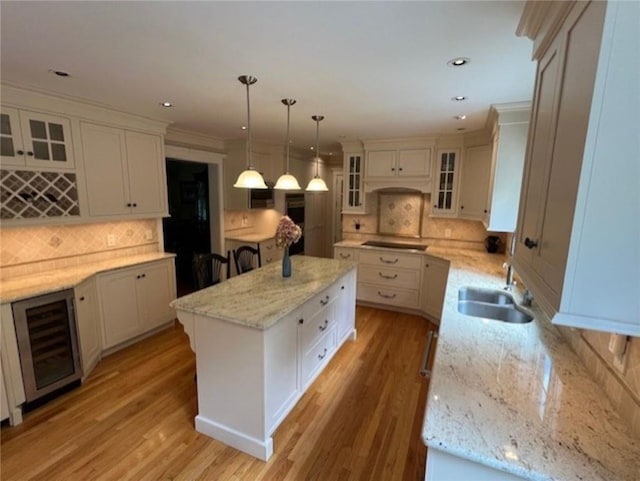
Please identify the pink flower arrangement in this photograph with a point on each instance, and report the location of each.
(287, 232)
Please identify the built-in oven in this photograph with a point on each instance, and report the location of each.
(294, 208)
(47, 343)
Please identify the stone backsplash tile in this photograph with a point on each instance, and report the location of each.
(24, 250)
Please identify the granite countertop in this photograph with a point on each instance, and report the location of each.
(515, 397)
(68, 277)
(253, 237)
(261, 297)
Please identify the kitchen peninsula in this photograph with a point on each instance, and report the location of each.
(260, 340)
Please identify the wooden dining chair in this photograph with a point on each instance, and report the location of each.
(244, 258)
(208, 269)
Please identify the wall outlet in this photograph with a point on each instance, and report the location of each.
(447, 232)
(245, 220)
(148, 234)
(111, 240)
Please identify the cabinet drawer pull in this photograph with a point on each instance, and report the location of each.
(387, 261)
(384, 276)
(387, 296)
(269, 247)
(323, 355)
(323, 327)
(530, 243)
(344, 256)
(324, 301)
(424, 371)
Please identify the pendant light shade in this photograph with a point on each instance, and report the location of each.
(317, 184)
(287, 181)
(250, 178)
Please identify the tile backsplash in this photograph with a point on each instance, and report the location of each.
(469, 234)
(24, 250)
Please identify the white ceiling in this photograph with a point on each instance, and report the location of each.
(373, 69)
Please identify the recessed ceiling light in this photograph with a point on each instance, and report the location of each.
(459, 98)
(244, 127)
(458, 61)
(312, 148)
(460, 117)
(166, 104)
(59, 73)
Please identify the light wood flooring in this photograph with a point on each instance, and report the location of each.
(133, 418)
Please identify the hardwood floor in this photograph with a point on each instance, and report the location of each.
(133, 418)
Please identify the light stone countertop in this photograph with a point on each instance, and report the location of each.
(515, 397)
(261, 297)
(42, 283)
(252, 237)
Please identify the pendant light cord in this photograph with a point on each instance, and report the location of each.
(288, 109)
(248, 130)
(317, 144)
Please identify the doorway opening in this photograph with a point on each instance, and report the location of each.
(188, 229)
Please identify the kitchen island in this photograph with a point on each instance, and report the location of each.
(260, 340)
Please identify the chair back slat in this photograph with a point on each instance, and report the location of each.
(244, 256)
(207, 269)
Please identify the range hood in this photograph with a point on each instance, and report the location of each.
(420, 184)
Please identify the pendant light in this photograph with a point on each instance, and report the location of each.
(287, 181)
(250, 178)
(317, 184)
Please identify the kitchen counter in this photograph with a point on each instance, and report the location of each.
(515, 397)
(251, 237)
(261, 297)
(67, 278)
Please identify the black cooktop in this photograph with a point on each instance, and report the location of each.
(396, 245)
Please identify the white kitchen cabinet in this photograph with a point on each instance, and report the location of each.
(345, 307)
(135, 300)
(443, 466)
(435, 274)
(445, 188)
(124, 172)
(510, 126)
(398, 163)
(34, 139)
(474, 185)
(4, 400)
(10, 365)
(354, 196)
(88, 322)
(578, 241)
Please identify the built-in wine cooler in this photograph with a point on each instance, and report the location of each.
(47, 342)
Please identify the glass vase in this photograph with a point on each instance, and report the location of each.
(286, 263)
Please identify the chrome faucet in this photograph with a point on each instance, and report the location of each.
(509, 266)
(527, 298)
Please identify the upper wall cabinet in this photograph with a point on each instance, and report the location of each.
(353, 166)
(578, 236)
(402, 163)
(509, 126)
(124, 172)
(32, 139)
(474, 185)
(445, 189)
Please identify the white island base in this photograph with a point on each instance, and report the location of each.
(251, 373)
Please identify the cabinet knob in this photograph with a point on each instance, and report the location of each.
(426, 265)
(144, 275)
(30, 154)
(530, 243)
(400, 169)
(461, 207)
(82, 298)
(342, 288)
(138, 276)
(301, 321)
(135, 205)
(128, 204)
(393, 169)
(485, 211)
(20, 152)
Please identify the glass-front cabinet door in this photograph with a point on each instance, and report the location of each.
(446, 182)
(47, 140)
(10, 137)
(353, 186)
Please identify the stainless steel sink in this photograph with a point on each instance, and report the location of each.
(492, 296)
(491, 304)
(506, 312)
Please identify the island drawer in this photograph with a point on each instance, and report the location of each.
(389, 276)
(312, 328)
(394, 296)
(317, 356)
(320, 301)
(389, 259)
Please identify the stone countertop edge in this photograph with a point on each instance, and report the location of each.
(42, 283)
(260, 298)
(515, 397)
(250, 237)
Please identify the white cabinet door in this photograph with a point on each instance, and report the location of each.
(119, 306)
(345, 307)
(156, 290)
(474, 186)
(88, 321)
(105, 170)
(381, 163)
(354, 196)
(35, 139)
(414, 162)
(445, 188)
(4, 400)
(435, 273)
(146, 169)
